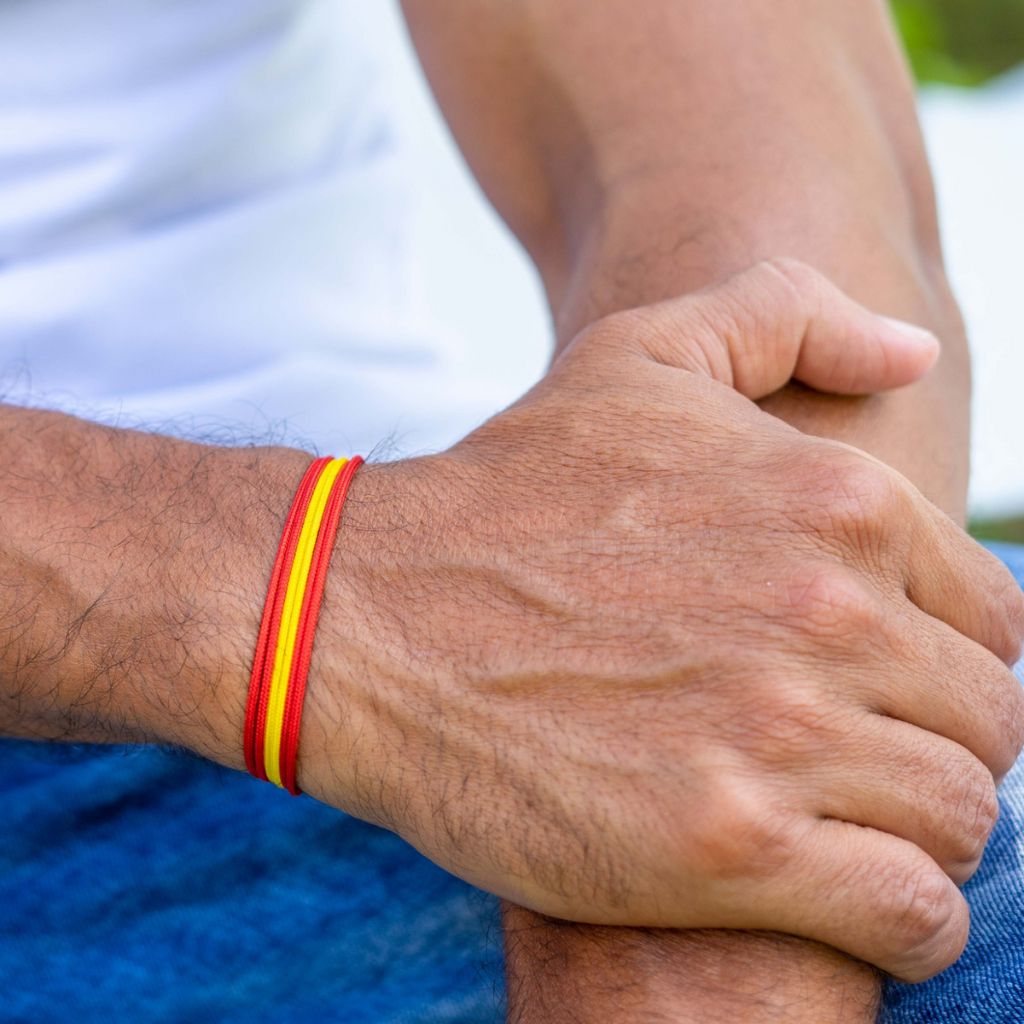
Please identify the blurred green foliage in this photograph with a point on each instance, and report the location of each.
(963, 42)
(999, 529)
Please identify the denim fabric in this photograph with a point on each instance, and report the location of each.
(146, 885)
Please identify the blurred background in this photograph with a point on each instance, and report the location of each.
(968, 44)
(961, 42)
(968, 56)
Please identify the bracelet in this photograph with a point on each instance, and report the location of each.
(277, 684)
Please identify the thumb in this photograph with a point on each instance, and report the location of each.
(782, 320)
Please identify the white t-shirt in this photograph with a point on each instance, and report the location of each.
(205, 224)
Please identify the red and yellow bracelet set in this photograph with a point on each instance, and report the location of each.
(284, 647)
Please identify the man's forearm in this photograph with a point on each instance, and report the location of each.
(133, 571)
(561, 971)
(810, 148)
(646, 149)
(132, 581)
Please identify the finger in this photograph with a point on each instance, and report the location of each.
(947, 685)
(872, 895)
(918, 549)
(782, 320)
(953, 578)
(899, 779)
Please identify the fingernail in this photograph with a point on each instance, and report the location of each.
(918, 335)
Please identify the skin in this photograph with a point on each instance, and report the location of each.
(132, 597)
(635, 160)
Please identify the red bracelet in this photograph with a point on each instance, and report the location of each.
(284, 645)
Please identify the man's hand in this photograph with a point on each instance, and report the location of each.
(643, 654)
(642, 150)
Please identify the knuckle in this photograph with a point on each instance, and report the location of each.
(962, 871)
(741, 835)
(1014, 726)
(974, 814)
(804, 719)
(1007, 713)
(776, 288)
(862, 491)
(1015, 615)
(921, 908)
(609, 336)
(850, 500)
(789, 721)
(649, 331)
(641, 329)
(828, 601)
(1010, 635)
(790, 273)
(989, 703)
(985, 811)
(626, 323)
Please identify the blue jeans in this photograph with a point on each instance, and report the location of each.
(146, 885)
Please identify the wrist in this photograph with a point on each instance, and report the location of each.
(359, 679)
(364, 683)
(332, 718)
(190, 589)
(216, 589)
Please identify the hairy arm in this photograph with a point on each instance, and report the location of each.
(129, 594)
(644, 148)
